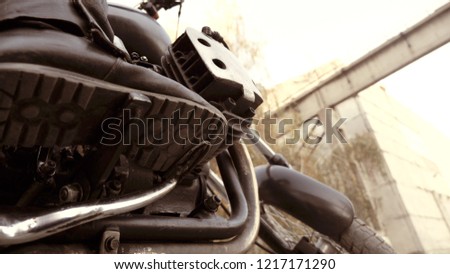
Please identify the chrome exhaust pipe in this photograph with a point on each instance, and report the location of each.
(22, 230)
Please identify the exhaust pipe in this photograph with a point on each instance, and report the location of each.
(316, 204)
(15, 230)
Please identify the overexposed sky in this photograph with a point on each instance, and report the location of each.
(298, 35)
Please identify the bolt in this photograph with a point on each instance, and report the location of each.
(111, 243)
(212, 203)
(46, 169)
(135, 56)
(230, 103)
(70, 193)
(207, 31)
(115, 185)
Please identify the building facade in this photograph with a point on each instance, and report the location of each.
(393, 166)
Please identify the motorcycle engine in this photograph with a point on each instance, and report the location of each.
(60, 175)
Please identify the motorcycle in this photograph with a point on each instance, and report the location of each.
(89, 166)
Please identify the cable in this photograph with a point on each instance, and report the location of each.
(178, 22)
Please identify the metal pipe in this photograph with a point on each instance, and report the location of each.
(239, 244)
(160, 228)
(242, 242)
(271, 156)
(283, 188)
(21, 230)
(215, 186)
(262, 146)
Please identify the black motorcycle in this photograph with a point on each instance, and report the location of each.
(107, 143)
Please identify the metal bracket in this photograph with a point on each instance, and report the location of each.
(105, 159)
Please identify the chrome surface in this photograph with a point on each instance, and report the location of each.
(16, 230)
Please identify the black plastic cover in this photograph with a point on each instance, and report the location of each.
(207, 67)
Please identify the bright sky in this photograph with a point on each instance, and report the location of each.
(299, 35)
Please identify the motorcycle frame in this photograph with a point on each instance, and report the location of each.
(161, 234)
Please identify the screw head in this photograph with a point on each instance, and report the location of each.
(212, 203)
(111, 244)
(70, 193)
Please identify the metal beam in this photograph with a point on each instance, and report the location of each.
(401, 50)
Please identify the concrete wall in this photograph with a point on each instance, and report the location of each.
(419, 220)
(410, 188)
